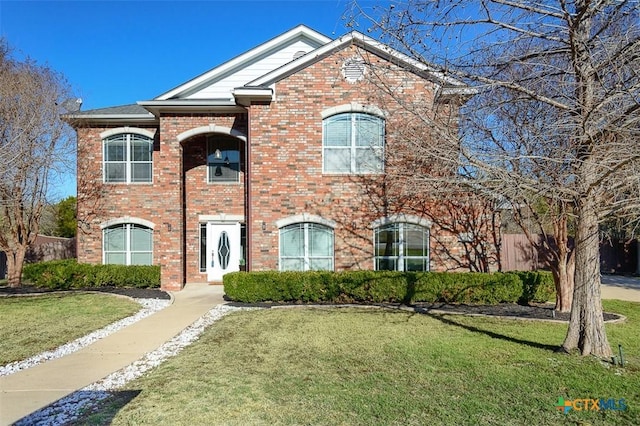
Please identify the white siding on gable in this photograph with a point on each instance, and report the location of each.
(222, 86)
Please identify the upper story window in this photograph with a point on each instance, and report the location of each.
(128, 158)
(353, 143)
(127, 244)
(223, 159)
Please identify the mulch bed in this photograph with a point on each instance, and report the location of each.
(137, 293)
(539, 312)
(510, 310)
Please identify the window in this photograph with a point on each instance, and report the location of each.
(306, 246)
(223, 159)
(402, 247)
(128, 158)
(353, 143)
(203, 247)
(128, 244)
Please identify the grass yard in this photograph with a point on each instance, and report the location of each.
(33, 324)
(369, 366)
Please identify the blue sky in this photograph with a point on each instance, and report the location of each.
(120, 52)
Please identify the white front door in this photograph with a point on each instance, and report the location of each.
(223, 249)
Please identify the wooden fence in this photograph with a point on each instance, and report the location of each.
(45, 248)
(616, 257)
(518, 254)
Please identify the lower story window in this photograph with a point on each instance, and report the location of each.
(128, 244)
(203, 247)
(402, 247)
(306, 246)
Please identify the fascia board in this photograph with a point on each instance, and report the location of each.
(445, 94)
(252, 91)
(300, 30)
(246, 95)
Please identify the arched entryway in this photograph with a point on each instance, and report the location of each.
(214, 194)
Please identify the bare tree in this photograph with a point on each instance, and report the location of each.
(555, 117)
(521, 126)
(35, 144)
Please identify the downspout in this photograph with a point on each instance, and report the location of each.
(247, 188)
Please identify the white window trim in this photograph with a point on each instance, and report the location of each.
(305, 246)
(353, 146)
(305, 217)
(127, 219)
(127, 162)
(354, 107)
(127, 251)
(401, 219)
(127, 129)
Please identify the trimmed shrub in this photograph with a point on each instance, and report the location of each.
(56, 274)
(388, 287)
(67, 274)
(369, 286)
(538, 286)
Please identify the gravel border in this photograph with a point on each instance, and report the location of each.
(149, 306)
(70, 408)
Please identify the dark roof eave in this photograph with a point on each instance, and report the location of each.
(198, 105)
(77, 119)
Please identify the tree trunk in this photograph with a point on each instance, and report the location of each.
(564, 273)
(15, 261)
(586, 327)
(563, 277)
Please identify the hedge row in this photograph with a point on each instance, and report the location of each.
(389, 287)
(68, 274)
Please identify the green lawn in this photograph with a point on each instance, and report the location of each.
(33, 324)
(370, 366)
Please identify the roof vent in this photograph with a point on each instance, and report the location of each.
(298, 54)
(353, 69)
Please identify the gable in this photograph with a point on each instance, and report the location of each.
(219, 82)
(371, 46)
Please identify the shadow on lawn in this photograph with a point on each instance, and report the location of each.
(442, 318)
(91, 407)
(107, 409)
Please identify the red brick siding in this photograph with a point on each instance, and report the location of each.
(286, 178)
(287, 138)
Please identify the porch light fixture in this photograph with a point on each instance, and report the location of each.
(218, 171)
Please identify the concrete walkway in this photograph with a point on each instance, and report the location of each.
(29, 390)
(620, 287)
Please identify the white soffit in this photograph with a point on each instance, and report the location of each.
(219, 81)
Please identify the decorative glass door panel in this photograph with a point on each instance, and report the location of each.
(224, 249)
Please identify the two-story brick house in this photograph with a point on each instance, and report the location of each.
(270, 161)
